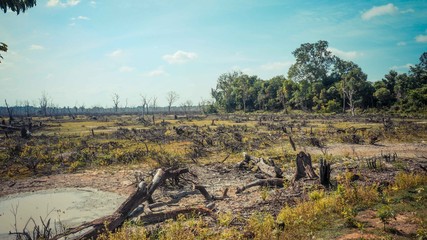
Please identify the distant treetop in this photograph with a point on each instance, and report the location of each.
(16, 5)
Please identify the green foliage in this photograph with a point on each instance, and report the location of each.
(408, 180)
(262, 226)
(385, 213)
(322, 82)
(17, 5)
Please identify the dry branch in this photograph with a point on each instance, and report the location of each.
(271, 182)
(210, 197)
(173, 214)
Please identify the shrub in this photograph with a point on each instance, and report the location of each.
(408, 180)
(261, 225)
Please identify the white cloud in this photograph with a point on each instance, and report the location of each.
(350, 55)
(421, 38)
(406, 66)
(376, 11)
(277, 65)
(156, 73)
(116, 53)
(401, 44)
(83, 18)
(93, 3)
(36, 47)
(410, 10)
(55, 3)
(179, 57)
(126, 69)
(52, 3)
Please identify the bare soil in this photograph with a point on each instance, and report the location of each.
(216, 177)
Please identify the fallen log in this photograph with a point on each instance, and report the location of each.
(112, 222)
(269, 169)
(271, 182)
(173, 214)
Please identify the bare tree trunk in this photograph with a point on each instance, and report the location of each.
(325, 173)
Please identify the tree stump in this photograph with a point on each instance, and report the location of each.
(304, 167)
(325, 173)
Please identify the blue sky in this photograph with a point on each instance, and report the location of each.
(82, 52)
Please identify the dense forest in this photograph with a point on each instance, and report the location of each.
(318, 81)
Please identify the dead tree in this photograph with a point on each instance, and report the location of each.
(304, 167)
(112, 222)
(9, 112)
(325, 173)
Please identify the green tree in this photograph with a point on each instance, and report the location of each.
(286, 93)
(384, 97)
(273, 89)
(224, 93)
(312, 62)
(302, 96)
(419, 71)
(352, 84)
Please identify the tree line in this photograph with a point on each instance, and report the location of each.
(318, 81)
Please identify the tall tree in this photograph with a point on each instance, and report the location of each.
(419, 71)
(353, 83)
(171, 98)
(224, 93)
(312, 62)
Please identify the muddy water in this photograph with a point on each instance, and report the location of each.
(66, 206)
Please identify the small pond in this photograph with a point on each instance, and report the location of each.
(65, 206)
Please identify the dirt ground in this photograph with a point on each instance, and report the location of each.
(216, 177)
(403, 150)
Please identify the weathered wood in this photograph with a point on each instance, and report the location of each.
(269, 168)
(210, 197)
(112, 222)
(304, 167)
(173, 214)
(271, 182)
(204, 192)
(325, 173)
(292, 142)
